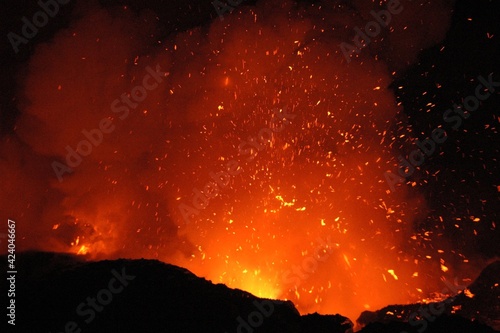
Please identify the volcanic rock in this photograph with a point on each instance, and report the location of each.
(62, 293)
(468, 311)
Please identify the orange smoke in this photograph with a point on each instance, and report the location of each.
(308, 218)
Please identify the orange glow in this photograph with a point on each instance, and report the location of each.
(83, 250)
(307, 216)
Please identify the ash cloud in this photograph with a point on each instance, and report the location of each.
(223, 80)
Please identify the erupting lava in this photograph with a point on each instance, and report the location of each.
(307, 215)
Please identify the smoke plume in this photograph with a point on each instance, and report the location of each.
(317, 185)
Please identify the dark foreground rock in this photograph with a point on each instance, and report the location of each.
(475, 309)
(61, 293)
(442, 324)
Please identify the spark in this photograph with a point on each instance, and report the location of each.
(391, 271)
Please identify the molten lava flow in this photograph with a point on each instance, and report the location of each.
(306, 214)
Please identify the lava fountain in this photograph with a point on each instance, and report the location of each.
(253, 154)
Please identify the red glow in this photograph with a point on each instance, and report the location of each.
(316, 188)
